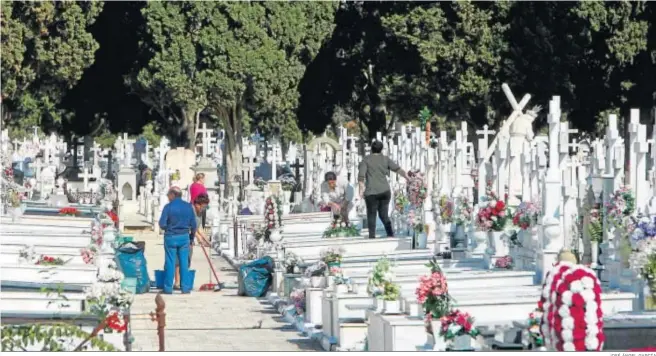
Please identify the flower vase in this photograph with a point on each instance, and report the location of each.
(497, 243)
(317, 281)
(335, 264)
(461, 343)
(275, 235)
(330, 282)
(378, 305)
(391, 306)
(341, 288)
(422, 240)
(459, 238)
(480, 238)
(594, 253)
(437, 341)
(16, 213)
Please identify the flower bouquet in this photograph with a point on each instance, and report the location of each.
(455, 324)
(332, 256)
(69, 211)
(115, 322)
(644, 230)
(417, 190)
(571, 299)
(288, 182)
(89, 255)
(380, 275)
(492, 215)
(341, 228)
(50, 261)
(505, 262)
(619, 207)
(462, 214)
(291, 261)
(433, 294)
(297, 297)
(400, 201)
(272, 213)
(446, 209)
(339, 279)
(534, 334)
(390, 297)
(526, 215)
(643, 258)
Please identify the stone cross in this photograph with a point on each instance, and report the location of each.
(86, 177)
(16, 143)
(206, 138)
(127, 143)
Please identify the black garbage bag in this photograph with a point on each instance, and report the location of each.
(256, 277)
(132, 262)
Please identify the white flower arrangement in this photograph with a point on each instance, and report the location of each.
(291, 260)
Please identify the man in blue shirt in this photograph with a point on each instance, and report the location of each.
(178, 222)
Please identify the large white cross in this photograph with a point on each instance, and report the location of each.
(86, 177)
(206, 137)
(16, 143)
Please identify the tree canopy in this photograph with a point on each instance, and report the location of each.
(45, 49)
(289, 68)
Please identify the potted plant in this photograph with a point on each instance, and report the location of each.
(536, 340)
(619, 207)
(457, 329)
(391, 302)
(297, 297)
(332, 256)
(379, 276)
(433, 294)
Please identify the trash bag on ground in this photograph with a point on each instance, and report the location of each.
(256, 277)
(132, 262)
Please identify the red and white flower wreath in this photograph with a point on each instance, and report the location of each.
(573, 318)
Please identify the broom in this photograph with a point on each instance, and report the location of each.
(210, 286)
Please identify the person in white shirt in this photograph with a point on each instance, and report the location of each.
(338, 196)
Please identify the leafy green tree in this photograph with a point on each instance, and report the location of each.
(45, 49)
(230, 61)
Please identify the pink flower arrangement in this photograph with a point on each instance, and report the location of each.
(417, 190)
(492, 214)
(457, 323)
(505, 262)
(526, 215)
(573, 318)
(620, 205)
(433, 294)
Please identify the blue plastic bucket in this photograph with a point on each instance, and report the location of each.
(159, 278)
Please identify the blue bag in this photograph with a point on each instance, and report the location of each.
(132, 262)
(256, 277)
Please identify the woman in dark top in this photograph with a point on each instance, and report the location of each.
(374, 188)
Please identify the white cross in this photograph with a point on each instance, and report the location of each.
(483, 142)
(37, 168)
(206, 136)
(16, 143)
(86, 177)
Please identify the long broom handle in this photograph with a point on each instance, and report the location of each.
(209, 261)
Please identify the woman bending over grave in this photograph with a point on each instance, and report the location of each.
(375, 189)
(336, 196)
